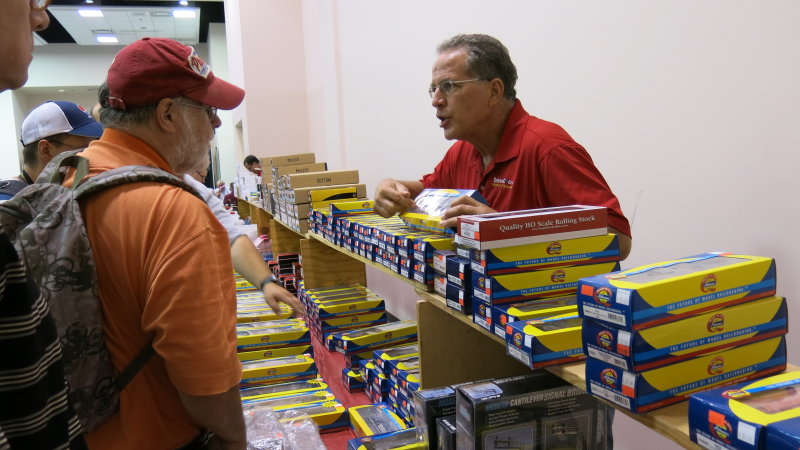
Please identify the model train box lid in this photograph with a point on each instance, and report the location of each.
(368, 420)
(505, 229)
(430, 205)
(662, 292)
(736, 417)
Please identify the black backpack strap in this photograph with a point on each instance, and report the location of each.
(134, 367)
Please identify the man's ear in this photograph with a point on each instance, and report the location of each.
(497, 89)
(166, 115)
(44, 151)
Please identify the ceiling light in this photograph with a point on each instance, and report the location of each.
(88, 2)
(184, 14)
(90, 13)
(107, 39)
(184, 3)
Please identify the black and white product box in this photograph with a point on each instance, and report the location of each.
(531, 412)
(446, 433)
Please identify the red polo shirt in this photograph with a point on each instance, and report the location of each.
(537, 165)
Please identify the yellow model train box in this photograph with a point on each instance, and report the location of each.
(737, 417)
(686, 338)
(517, 287)
(662, 292)
(261, 315)
(546, 255)
(383, 357)
(350, 207)
(352, 321)
(319, 194)
(277, 352)
(430, 205)
(290, 399)
(368, 420)
(502, 315)
(278, 370)
(325, 309)
(656, 388)
(249, 339)
(376, 337)
(277, 390)
(547, 342)
(329, 416)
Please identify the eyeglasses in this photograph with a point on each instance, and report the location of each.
(211, 112)
(65, 144)
(447, 87)
(40, 5)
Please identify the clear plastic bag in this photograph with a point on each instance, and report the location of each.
(286, 430)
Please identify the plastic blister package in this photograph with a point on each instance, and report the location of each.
(288, 430)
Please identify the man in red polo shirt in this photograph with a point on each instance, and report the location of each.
(515, 160)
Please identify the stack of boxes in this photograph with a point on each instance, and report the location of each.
(538, 410)
(764, 414)
(278, 370)
(657, 333)
(524, 269)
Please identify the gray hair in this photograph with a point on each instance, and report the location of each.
(121, 118)
(487, 58)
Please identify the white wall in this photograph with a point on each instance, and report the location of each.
(688, 108)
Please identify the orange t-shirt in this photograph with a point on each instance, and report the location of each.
(165, 275)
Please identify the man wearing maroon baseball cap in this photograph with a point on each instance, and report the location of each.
(164, 270)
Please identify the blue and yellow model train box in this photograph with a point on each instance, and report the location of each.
(784, 435)
(517, 287)
(265, 314)
(256, 338)
(352, 321)
(384, 356)
(339, 308)
(329, 417)
(662, 292)
(279, 389)
(502, 315)
(686, 338)
(656, 388)
(277, 352)
(547, 342)
(369, 420)
(276, 402)
(380, 336)
(736, 417)
(397, 440)
(482, 315)
(546, 255)
(458, 298)
(353, 379)
(278, 370)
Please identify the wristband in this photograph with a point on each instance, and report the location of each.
(269, 279)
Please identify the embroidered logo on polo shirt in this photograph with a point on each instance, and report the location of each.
(504, 183)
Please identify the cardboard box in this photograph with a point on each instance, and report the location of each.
(278, 171)
(686, 338)
(502, 315)
(737, 417)
(506, 229)
(369, 420)
(533, 411)
(659, 293)
(324, 193)
(312, 179)
(546, 255)
(288, 160)
(540, 343)
(517, 287)
(656, 388)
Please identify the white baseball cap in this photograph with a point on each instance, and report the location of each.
(51, 118)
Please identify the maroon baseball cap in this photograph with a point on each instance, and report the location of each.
(152, 69)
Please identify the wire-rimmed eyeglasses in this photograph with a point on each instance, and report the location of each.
(211, 111)
(447, 87)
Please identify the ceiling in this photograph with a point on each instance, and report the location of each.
(128, 21)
